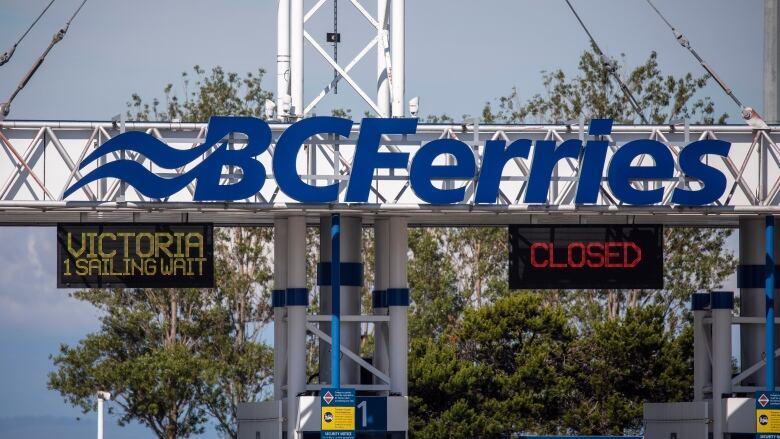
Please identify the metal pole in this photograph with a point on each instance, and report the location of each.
(751, 291)
(296, 56)
(351, 288)
(702, 368)
(769, 287)
(398, 302)
(379, 299)
(100, 418)
(335, 294)
(278, 302)
(382, 85)
(722, 304)
(771, 61)
(325, 295)
(398, 55)
(282, 56)
(297, 300)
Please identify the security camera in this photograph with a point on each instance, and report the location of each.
(285, 104)
(414, 106)
(104, 396)
(268, 108)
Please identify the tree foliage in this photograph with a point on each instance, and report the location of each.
(174, 358)
(217, 93)
(556, 362)
(592, 93)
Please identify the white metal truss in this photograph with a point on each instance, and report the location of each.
(380, 41)
(41, 161)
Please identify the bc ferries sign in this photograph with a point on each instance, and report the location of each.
(622, 173)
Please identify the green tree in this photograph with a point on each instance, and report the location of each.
(592, 93)
(241, 366)
(146, 355)
(695, 258)
(436, 302)
(219, 93)
(173, 358)
(502, 373)
(620, 365)
(481, 253)
(624, 347)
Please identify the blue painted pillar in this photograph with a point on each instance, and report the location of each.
(769, 287)
(335, 291)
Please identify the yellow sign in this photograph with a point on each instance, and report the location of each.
(336, 418)
(767, 421)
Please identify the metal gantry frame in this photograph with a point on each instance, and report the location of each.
(42, 159)
(291, 35)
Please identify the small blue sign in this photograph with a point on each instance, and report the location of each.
(371, 413)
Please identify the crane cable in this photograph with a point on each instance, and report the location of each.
(5, 108)
(6, 56)
(750, 115)
(611, 67)
(687, 44)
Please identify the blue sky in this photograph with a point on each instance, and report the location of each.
(459, 55)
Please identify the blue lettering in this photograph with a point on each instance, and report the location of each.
(592, 165)
(209, 171)
(546, 157)
(423, 170)
(285, 158)
(621, 173)
(368, 158)
(691, 165)
(493, 161)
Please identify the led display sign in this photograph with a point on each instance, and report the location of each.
(587, 257)
(135, 256)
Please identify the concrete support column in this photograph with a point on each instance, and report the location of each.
(278, 301)
(752, 296)
(379, 295)
(702, 368)
(398, 304)
(297, 300)
(722, 303)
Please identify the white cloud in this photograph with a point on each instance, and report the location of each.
(29, 298)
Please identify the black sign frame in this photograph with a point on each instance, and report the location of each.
(115, 278)
(567, 240)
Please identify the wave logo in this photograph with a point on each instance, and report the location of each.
(207, 172)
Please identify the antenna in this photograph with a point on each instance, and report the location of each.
(335, 38)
